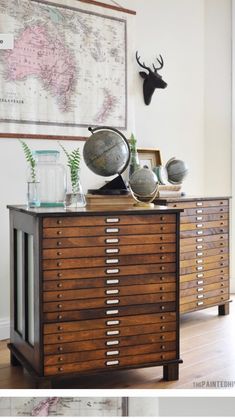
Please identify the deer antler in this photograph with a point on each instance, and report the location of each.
(141, 65)
(161, 62)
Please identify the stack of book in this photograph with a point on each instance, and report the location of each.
(110, 199)
(170, 191)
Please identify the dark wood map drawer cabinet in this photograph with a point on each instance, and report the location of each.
(94, 291)
(204, 253)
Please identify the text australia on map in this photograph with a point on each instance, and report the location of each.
(67, 67)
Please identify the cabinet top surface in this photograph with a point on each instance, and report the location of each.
(186, 198)
(91, 210)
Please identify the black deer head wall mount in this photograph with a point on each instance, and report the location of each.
(152, 80)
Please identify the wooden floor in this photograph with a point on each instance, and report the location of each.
(207, 350)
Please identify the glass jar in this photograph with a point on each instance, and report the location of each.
(52, 178)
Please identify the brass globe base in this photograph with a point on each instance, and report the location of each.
(144, 204)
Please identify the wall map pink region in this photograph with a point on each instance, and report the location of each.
(36, 54)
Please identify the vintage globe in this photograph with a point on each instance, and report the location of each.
(177, 170)
(144, 185)
(106, 152)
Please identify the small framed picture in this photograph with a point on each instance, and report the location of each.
(150, 157)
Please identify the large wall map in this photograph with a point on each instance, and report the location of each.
(68, 65)
(61, 406)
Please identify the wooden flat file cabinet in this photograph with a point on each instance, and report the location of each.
(204, 253)
(94, 291)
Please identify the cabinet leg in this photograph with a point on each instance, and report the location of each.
(223, 310)
(14, 361)
(171, 372)
(44, 384)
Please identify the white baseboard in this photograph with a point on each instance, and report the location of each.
(4, 328)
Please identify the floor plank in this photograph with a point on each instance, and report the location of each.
(207, 350)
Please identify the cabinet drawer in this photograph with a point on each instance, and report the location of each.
(199, 204)
(211, 240)
(144, 319)
(205, 274)
(108, 353)
(109, 312)
(107, 230)
(109, 272)
(111, 301)
(71, 284)
(80, 252)
(202, 268)
(106, 220)
(200, 282)
(53, 342)
(203, 232)
(108, 292)
(197, 211)
(204, 253)
(203, 217)
(204, 295)
(203, 225)
(196, 305)
(101, 365)
(203, 260)
(202, 288)
(68, 242)
(113, 260)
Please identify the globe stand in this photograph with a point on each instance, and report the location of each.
(144, 201)
(116, 186)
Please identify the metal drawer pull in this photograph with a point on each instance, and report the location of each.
(112, 230)
(200, 282)
(112, 332)
(199, 240)
(111, 250)
(200, 289)
(112, 301)
(200, 247)
(199, 211)
(200, 254)
(200, 296)
(111, 241)
(199, 204)
(200, 303)
(112, 363)
(112, 342)
(199, 268)
(108, 312)
(199, 261)
(110, 292)
(199, 218)
(200, 275)
(200, 232)
(112, 271)
(110, 353)
(112, 261)
(112, 322)
(112, 281)
(112, 220)
(199, 225)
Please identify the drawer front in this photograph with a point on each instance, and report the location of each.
(111, 301)
(107, 230)
(140, 249)
(198, 226)
(108, 220)
(108, 353)
(203, 232)
(211, 240)
(206, 266)
(200, 204)
(208, 302)
(221, 282)
(108, 292)
(202, 288)
(203, 260)
(109, 312)
(70, 327)
(110, 343)
(198, 211)
(221, 272)
(104, 365)
(111, 240)
(202, 217)
(204, 295)
(113, 260)
(109, 272)
(203, 246)
(51, 341)
(70, 284)
(202, 253)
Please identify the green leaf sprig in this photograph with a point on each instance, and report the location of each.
(73, 162)
(30, 159)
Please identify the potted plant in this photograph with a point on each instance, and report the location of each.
(33, 199)
(74, 195)
(134, 160)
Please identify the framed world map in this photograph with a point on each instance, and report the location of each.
(67, 69)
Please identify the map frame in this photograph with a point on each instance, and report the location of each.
(37, 130)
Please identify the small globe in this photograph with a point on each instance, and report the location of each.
(106, 152)
(177, 170)
(143, 183)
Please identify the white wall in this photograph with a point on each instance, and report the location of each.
(175, 120)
